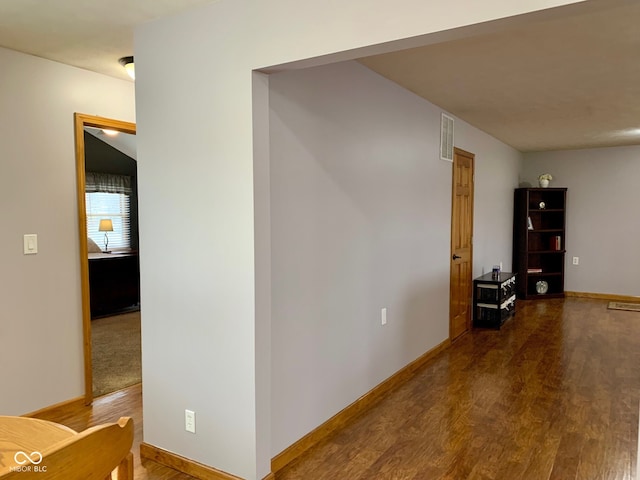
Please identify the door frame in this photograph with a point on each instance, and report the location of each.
(80, 121)
(459, 151)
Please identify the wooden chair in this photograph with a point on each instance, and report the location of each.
(33, 449)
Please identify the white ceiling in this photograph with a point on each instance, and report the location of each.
(566, 82)
(89, 34)
(123, 142)
(570, 82)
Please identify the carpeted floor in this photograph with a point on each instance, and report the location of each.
(633, 307)
(116, 352)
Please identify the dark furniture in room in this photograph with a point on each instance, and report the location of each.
(539, 241)
(494, 299)
(114, 283)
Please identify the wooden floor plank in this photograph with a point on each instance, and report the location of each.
(124, 403)
(554, 394)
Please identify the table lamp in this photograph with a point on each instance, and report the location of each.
(106, 225)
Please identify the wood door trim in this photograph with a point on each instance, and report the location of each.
(80, 121)
(464, 153)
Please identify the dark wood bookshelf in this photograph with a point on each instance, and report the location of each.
(543, 246)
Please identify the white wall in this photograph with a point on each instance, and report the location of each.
(201, 345)
(496, 175)
(602, 219)
(40, 299)
(360, 220)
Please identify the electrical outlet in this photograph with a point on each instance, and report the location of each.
(190, 421)
(576, 260)
(383, 316)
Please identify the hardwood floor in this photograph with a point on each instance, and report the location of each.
(109, 408)
(553, 395)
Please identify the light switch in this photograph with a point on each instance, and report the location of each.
(30, 244)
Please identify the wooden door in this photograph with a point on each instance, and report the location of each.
(461, 244)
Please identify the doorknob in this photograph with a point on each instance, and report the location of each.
(455, 257)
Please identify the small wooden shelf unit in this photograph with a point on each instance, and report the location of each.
(494, 299)
(539, 252)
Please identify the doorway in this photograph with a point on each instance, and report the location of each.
(82, 122)
(461, 244)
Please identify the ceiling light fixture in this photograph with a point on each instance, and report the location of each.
(127, 63)
(632, 132)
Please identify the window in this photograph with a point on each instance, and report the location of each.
(115, 206)
(109, 196)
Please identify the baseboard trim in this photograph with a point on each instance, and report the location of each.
(53, 409)
(603, 296)
(185, 465)
(340, 419)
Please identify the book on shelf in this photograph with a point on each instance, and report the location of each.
(534, 270)
(556, 242)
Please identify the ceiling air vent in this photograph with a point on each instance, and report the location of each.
(446, 138)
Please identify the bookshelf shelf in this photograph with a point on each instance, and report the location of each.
(542, 247)
(547, 252)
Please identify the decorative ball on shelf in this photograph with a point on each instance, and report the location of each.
(542, 287)
(544, 180)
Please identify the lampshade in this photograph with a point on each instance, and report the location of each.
(127, 63)
(106, 225)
